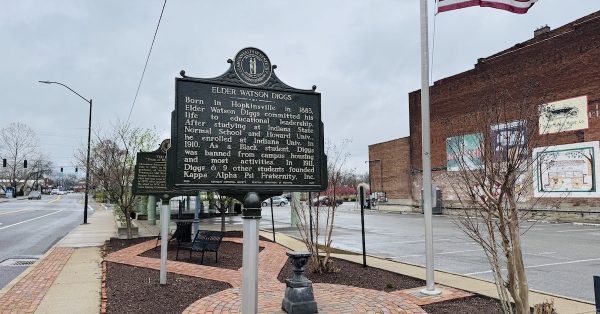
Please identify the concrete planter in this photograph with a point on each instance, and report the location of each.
(121, 224)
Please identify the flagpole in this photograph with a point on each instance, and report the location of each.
(426, 152)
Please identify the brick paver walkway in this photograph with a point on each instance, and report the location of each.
(26, 295)
(330, 298)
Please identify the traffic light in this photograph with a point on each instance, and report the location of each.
(76, 169)
(25, 163)
(61, 169)
(4, 162)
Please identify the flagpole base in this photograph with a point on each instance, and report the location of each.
(435, 291)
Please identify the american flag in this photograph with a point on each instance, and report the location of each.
(515, 6)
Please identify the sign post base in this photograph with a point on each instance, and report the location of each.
(251, 217)
(165, 215)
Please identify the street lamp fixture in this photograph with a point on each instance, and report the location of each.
(87, 172)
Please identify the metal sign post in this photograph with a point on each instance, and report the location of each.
(597, 293)
(251, 218)
(362, 223)
(272, 220)
(310, 216)
(165, 215)
(150, 178)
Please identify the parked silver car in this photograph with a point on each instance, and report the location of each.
(34, 195)
(277, 201)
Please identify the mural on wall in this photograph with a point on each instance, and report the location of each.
(566, 170)
(464, 151)
(509, 139)
(564, 115)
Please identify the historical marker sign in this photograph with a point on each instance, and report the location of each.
(150, 176)
(247, 131)
(150, 173)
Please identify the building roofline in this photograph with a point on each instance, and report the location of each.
(396, 139)
(560, 31)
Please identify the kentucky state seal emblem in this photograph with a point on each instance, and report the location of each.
(252, 66)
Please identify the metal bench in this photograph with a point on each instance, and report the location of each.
(182, 234)
(204, 241)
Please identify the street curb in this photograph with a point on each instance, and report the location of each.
(586, 224)
(550, 295)
(103, 297)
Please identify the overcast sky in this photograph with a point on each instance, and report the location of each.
(362, 55)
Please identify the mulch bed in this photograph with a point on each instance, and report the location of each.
(136, 290)
(474, 304)
(115, 244)
(352, 274)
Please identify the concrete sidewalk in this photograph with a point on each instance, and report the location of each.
(67, 279)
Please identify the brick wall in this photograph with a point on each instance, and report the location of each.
(563, 63)
(395, 166)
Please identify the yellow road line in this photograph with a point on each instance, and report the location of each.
(54, 200)
(14, 211)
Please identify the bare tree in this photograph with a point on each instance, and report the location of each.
(222, 204)
(112, 162)
(19, 142)
(490, 168)
(322, 216)
(41, 168)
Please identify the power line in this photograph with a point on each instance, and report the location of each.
(60, 136)
(147, 59)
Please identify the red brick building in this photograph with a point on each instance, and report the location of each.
(553, 66)
(391, 160)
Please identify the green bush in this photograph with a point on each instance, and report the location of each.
(100, 196)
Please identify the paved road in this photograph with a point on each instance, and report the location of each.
(29, 228)
(560, 258)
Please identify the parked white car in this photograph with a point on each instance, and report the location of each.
(57, 192)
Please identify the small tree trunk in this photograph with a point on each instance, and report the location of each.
(521, 288)
(128, 220)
